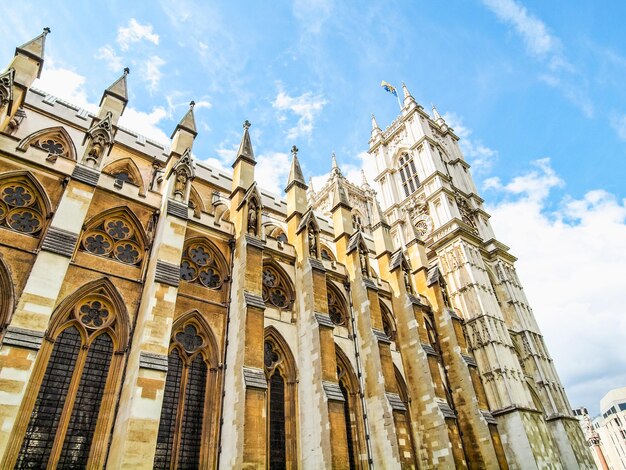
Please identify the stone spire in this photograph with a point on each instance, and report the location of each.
(245, 147)
(335, 172)
(310, 192)
(295, 173)
(374, 123)
(438, 119)
(339, 196)
(376, 132)
(378, 216)
(188, 122)
(364, 184)
(408, 98)
(34, 49)
(185, 132)
(115, 97)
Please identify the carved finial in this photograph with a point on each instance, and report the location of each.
(246, 124)
(364, 182)
(192, 103)
(126, 71)
(47, 30)
(294, 151)
(334, 160)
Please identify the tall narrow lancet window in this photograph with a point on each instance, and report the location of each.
(353, 417)
(67, 421)
(24, 207)
(408, 174)
(187, 414)
(281, 395)
(404, 429)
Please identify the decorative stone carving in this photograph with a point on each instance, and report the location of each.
(183, 173)
(6, 88)
(312, 235)
(253, 218)
(100, 138)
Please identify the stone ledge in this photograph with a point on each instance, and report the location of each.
(153, 361)
(333, 392)
(28, 339)
(254, 300)
(255, 242)
(324, 320)
(415, 300)
(369, 283)
(395, 401)
(254, 378)
(317, 265)
(469, 360)
(86, 175)
(60, 242)
(167, 273)
(446, 410)
(381, 336)
(428, 349)
(177, 209)
(488, 417)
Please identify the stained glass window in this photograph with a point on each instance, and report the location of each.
(276, 290)
(199, 265)
(277, 452)
(167, 423)
(21, 209)
(114, 237)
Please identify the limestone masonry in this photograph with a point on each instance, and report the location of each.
(158, 313)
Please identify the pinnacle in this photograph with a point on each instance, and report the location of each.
(339, 196)
(378, 216)
(118, 88)
(245, 147)
(295, 173)
(188, 122)
(35, 48)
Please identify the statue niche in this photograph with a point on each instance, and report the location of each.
(100, 138)
(312, 235)
(253, 218)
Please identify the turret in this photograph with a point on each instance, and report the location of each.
(243, 167)
(380, 231)
(114, 99)
(439, 120)
(28, 60)
(341, 210)
(409, 101)
(296, 188)
(376, 132)
(185, 132)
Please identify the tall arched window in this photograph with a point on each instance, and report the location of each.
(277, 289)
(189, 411)
(337, 308)
(7, 296)
(404, 429)
(408, 174)
(67, 415)
(202, 264)
(24, 206)
(389, 324)
(353, 415)
(281, 402)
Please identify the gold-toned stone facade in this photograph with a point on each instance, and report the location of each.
(157, 313)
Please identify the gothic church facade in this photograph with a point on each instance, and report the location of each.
(158, 313)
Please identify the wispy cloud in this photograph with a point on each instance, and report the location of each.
(135, 32)
(480, 156)
(568, 244)
(113, 61)
(305, 107)
(152, 72)
(618, 123)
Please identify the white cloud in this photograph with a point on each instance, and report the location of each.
(152, 73)
(272, 170)
(306, 107)
(108, 54)
(478, 154)
(135, 32)
(312, 14)
(146, 123)
(618, 123)
(362, 162)
(571, 262)
(533, 31)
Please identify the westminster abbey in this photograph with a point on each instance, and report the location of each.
(158, 313)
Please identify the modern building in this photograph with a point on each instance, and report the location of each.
(610, 427)
(159, 313)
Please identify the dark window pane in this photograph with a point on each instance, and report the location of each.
(190, 439)
(350, 438)
(84, 417)
(276, 438)
(165, 437)
(50, 400)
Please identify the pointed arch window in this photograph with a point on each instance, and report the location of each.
(389, 324)
(67, 416)
(277, 290)
(23, 206)
(353, 417)
(55, 140)
(408, 174)
(116, 235)
(189, 400)
(281, 396)
(337, 309)
(404, 429)
(7, 296)
(202, 265)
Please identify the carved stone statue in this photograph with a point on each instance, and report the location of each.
(407, 282)
(180, 185)
(252, 218)
(96, 149)
(312, 243)
(363, 259)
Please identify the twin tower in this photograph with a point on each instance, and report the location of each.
(158, 313)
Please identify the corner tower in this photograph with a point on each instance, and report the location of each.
(426, 188)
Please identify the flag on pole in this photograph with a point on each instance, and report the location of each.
(388, 87)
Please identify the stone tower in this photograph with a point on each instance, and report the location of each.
(426, 187)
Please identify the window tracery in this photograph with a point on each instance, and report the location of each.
(80, 367)
(56, 141)
(336, 306)
(408, 174)
(276, 289)
(115, 236)
(200, 265)
(388, 322)
(22, 208)
(190, 388)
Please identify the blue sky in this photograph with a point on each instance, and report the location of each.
(535, 90)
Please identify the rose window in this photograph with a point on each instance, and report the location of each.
(94, 313)
(199, 266)
(114, 238)
(335, 309)
(275, 290)
(20, 209)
